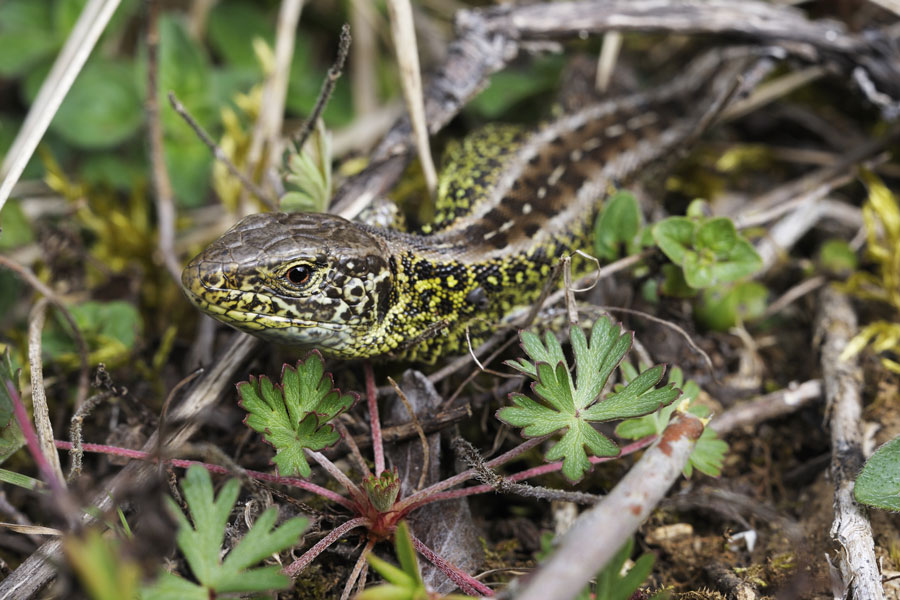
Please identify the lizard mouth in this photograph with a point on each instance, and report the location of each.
(241, 309)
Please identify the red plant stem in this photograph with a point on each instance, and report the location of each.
(372, 398)
(338, 475)
(419, 497)
(468, 584)
(337, 533)
(529, 473)
(184, 464)
(34, 447)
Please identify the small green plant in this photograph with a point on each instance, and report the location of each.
(709, 258)
(294, 415)
(201, 545)
(709, 452)
(878, 483)
(611, 583)
(405, 582)
(11, 436)
(709, 250)
(101, 568)
(882, 218)
(574, 406)
(617, 227)
(309, 174)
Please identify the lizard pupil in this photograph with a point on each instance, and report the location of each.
(298, 275)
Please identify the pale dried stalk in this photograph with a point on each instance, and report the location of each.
(843, 390)
(91, 23)
(38, 395)
(404, 36)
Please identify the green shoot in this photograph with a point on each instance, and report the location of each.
(576, 406)
(709, 452)
(309, 172)
(11, 437)
(882, 218)
(617, 226)
(610, 583)
(201, 544)
(404, 582)
(294, 415)
(103, 572)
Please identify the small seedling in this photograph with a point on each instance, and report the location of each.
(709, 451)
(294, 415)
(574, 406)
(201, 545)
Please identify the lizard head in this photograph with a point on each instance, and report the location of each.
(301, 279)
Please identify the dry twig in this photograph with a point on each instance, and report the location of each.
(843, 391)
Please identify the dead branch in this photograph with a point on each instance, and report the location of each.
(843, 390)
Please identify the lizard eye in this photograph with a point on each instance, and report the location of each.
(299, 274)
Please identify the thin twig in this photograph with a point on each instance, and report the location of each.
(161, 425)
(334, 73)
(354, 449)
(165, 203)
(357, 571)
(219, 154)
(426, 453)
(75, 424)
(32, 280)
(38, 394)
(771, 406)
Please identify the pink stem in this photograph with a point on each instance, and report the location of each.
(338, 475)
(468, 584)
(419, 497)
(337, 533)
(529, 473)
(289, 481)
(372, 397)
(31, 440)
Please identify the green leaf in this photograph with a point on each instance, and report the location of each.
(15, 230)
(878, 483)
(617, 225)
(294, 415)
(232, 28)
(309, 171)
(26, 36)
(709, 452)
(201, 544)
(511, 86)
(11, 436)
(722, 308)
(837, 256)
(675, 236)
(111, 330)
(740, 261)
(573, 406)
(717, 235)
(103, 108)
(104, 572)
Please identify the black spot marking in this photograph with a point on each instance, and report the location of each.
(531, 229)
(499, 241)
